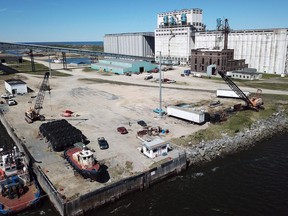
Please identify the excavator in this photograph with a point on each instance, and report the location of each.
(254, 103)
(33, 114)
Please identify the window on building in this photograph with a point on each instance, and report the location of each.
(195, 60)
(210, 61)
(195, 67)
(218, 62)
(202, 60)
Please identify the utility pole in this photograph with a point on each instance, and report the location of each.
(49, 65)
(160, 86)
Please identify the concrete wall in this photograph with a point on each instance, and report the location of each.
(180, 44)
(20, 88)
(103, 195)
(114, 191)
(265, 50)
(137, 44)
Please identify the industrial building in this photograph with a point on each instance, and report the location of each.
(210, 61)
(15, 86)
(121, 66)
(263, 49)
(246, 74)
(137, 44)
(175, 35)
(180, 31)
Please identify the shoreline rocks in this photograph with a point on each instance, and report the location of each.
(260, 130)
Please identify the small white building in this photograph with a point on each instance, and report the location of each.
(246, 75)
(155, 148)
(15, 86)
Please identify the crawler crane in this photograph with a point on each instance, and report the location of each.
(33, 114)
(254, 103)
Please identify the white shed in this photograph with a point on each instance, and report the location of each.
(15, 86)
(155, 147)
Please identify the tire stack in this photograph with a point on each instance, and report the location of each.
(61, 134)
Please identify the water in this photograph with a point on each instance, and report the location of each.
(253, 182)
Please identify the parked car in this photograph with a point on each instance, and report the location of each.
(7, 96)
(155, 70)
(149, 76)
(142, 123)
(122, 130)
(11, 102)
(103, 144)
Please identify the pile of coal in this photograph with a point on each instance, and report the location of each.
(61, 134)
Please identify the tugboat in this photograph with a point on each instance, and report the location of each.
(82, 159)
(19, 190)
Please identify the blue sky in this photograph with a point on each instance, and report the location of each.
(90, 20)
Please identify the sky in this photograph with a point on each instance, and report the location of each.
(90, 20)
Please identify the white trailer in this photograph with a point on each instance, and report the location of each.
(179, 112)
(228, 93)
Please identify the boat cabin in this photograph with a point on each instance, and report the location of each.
(85, 158)
(155, 148)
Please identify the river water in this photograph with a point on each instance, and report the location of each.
(254, 182)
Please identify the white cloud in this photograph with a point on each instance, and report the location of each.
(3, 9)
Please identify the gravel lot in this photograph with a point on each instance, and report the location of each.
(99, 108)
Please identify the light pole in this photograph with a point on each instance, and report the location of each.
(160, 86)
(49, 65)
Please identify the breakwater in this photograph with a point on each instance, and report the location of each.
(262, 129)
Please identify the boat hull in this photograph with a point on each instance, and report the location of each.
(30, 196)
(92, 172)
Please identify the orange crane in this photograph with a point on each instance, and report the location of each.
(33, 114)
(254, 103)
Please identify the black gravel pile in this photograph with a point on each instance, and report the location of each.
(61, 134)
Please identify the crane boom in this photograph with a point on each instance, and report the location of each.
(41, 94)
(237, 90)
(33, 113)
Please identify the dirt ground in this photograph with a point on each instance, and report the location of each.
(99, 108)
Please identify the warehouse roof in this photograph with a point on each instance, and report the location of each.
(133, 34)
(15, 82)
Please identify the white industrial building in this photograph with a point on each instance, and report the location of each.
(263, 49)
(175, 34)
(180, 31)
(137, 44)
(15, 86)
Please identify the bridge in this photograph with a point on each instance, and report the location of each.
(32, 47)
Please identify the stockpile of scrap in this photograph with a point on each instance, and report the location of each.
(61, 134)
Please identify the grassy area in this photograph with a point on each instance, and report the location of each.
(236, 122)
(261, 85)
(40, 69)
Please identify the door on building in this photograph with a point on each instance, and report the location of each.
(141, 69)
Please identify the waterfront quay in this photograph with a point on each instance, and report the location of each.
(100, 104)
(99, 110)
